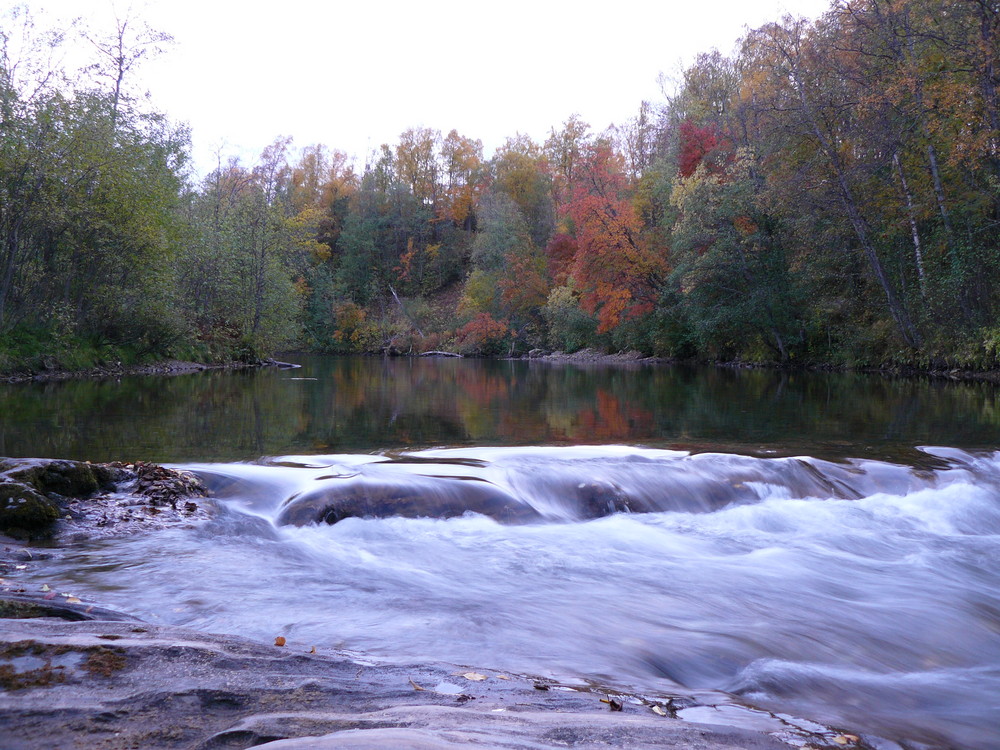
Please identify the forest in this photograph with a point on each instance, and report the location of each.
(827, 195)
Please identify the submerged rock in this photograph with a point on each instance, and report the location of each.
(24, 606)
(408, 496)
(24, 512)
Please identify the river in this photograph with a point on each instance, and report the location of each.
(823, 545)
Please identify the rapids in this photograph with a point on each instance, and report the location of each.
(859, 593)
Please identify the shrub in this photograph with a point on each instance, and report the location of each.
(483, 336)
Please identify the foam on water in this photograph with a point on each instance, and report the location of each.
(859, 593)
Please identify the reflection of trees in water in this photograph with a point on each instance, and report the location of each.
(370, 404)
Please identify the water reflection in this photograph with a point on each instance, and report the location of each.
(335, 405)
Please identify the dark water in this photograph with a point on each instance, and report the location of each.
(825, 546)
(339, 405)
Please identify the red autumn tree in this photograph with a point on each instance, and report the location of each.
(695, 143)
(616, 271)
(560, 253)
(482, 335)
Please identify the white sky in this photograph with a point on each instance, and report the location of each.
(353, 75)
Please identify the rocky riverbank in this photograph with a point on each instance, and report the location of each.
(166, 367)
(42, 498)
(120, 684)
(75, 675)
(590, 356)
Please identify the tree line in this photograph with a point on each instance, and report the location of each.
(828, 193)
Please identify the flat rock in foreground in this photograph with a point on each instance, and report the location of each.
(120, 684)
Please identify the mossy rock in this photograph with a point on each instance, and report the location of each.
(25, 513)
(66, 478)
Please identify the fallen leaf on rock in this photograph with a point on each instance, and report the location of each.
(502, 677)
(659, 711)
(416, 686)
(612, 704)
(846, 739)
(73, 600)
(279, 641)
(45, 587)
(474, 676)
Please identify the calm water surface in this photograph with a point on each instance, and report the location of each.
(334, 405)
(822, 545)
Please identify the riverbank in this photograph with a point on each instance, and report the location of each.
(592, 356)
(165, 367)
(586, 356)
(120, 683)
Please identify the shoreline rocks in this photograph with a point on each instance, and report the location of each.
(590, 356)
(43, 497)
(165, 367)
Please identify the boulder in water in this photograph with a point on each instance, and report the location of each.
(25, 512)
(406, 496)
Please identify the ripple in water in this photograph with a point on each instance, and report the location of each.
(861, 594)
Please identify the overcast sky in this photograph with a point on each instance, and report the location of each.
(353, 75)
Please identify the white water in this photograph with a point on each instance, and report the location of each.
(874, 606)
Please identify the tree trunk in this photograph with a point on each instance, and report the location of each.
(858, 223)
(914, 231)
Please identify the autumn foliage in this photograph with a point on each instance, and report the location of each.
(827, 194)
(482, 335)
(614, 267)
(695, 144)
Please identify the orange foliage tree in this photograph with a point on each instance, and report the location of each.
(617, 272)
(482, 335)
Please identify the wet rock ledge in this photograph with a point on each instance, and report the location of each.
(40, 498)
(125, 684)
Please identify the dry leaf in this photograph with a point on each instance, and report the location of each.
(73, 600)
(612, 704)
(416, 686)
(312, 650)
(45, 587)
(845, 739)
(502, 677)
(279, 641)
(474, 676)
(659, 711)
